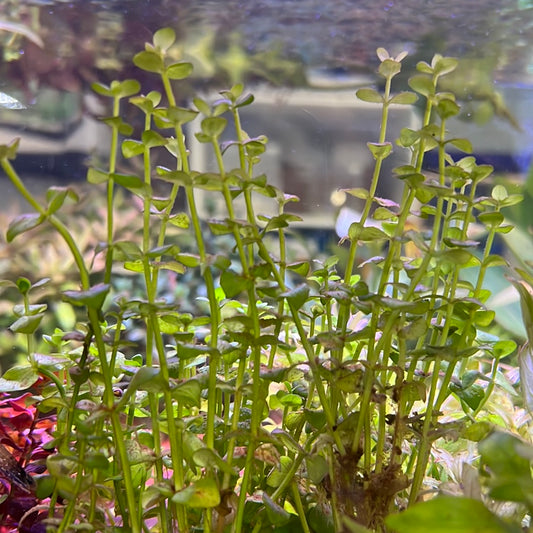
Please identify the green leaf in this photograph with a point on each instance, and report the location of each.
(149, 61)
(365, 234)
(296, 297)
(472, 395)
(202, 106)
(357, 192)
(189, 260)
(300, 267)
(503, 348)
(125, 88)
(180, 220)
(317, 467)
(277, 516)
(499, 193)
(289, 400)
(164, 38)
(179, 71)
(244, 101)
(447, 108)
(161, 203)
(382, 213)
(191, 351)
(370, 95)
(152, 139)
(18, 378)
(424, 67)
(174, 266)
(254, 148)
(93, 298)
(127, 250)
(477, 431)
(9, 151)
(414, 329)
(422, 85)
(444, 65)
(491, 218)
(408, 137)
(447, 513)
(188, 393)
(33, 309)
(404, 98)
(180, 115)
(130, 148)
(56, 196)
(484, 318)
(389, 68)
(508, 461)
(101, 89)
(27, 324)
(462, 144)
(320, 520)
(117, 89)
(116, 123)
(219, 227)
(213, 126)
(96, 176)
(380, 150)
(281, 221)
(208, 458)
(23, 285)
(232, 283)
(128, 181)
(458, 256)
(147, 103)
(202, 494)
(23, 223)
(141, 378)
(494, 260)
(179, 177)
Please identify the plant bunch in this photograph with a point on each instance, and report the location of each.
(306, 397)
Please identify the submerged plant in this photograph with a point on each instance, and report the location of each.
(308, 397)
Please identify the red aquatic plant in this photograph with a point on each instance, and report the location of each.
(24, 434)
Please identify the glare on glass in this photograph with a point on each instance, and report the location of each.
(9, 102)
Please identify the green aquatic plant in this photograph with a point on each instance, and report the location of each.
(305, 396)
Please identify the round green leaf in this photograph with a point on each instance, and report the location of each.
(18, 378)
(404, 98)
(389, 68)
(164, 38)
(131, 148)
(149, 61)
(203, 493)
(179, 71)
(447, 513)
(213, 126)
(369, 95)
(447, 108)
(125, 88)
(422, 85)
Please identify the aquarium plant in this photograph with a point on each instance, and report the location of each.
(296, 394)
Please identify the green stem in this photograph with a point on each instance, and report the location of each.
(110, 192)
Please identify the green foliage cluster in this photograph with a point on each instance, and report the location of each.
(307, 398)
